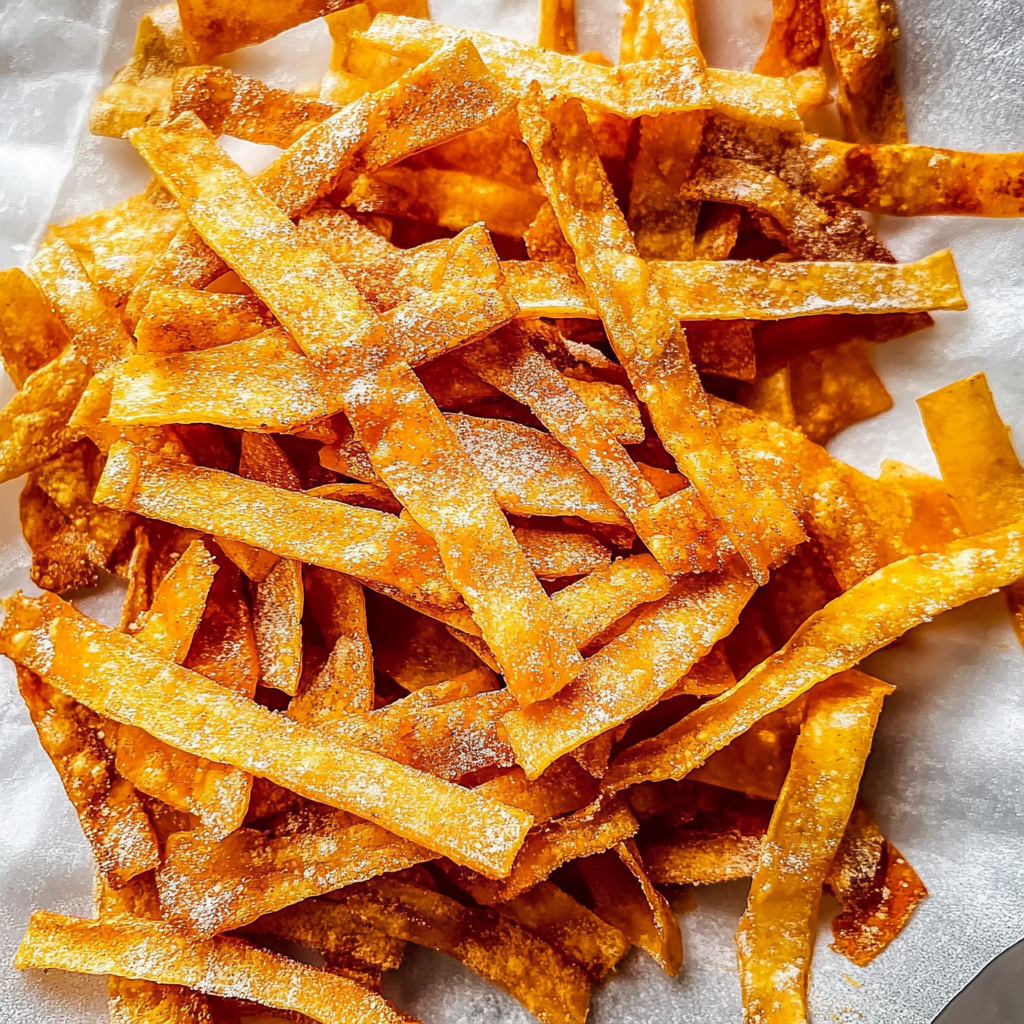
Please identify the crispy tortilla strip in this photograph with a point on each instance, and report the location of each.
(663, 224)
(576, 932)
(878, 889)
(554, 554)
(895, 179)
(450, 740)
(213, 27)
(278, 601)
(722, 347)
(141, 89)
(632, 672)
(509, 362)
(834, 388)
(826, 492)
(360, 542)
(868, 616)
(641, 88)
(152, 951)
(116, 245)
(747, 290)
(590, 831)
(557, 26)
(30, 334)
(809, 229)
(216, 793)
(606, 595)
(926, 518)
(184, 320)
(775, 938)
(979, 465)
(127, 682)
(453, 89)
(625, 897)
(613, 407)
(449, 198)
(209, 885)
(796, 38)
(108, 808)
(698, 857)
(392, 414)
(345, 684)
(643, 332)
(237, 105)
(862, 38)
(346, 943)
(562, 789)
(551, 987)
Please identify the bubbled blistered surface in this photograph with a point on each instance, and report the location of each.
(946, 780)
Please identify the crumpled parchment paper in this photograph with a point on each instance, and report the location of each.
(946, 778)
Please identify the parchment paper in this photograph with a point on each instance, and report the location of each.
(946, 778)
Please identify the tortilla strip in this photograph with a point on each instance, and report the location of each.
(775, 939)
(796, 38)
(209, 885)
(557, 26)
(551, 987)
(184, 320)
(111, 814)
(153, 951)
(868, 616)
(748, 290)
(118, 677)
(30, 333)
(632, 672)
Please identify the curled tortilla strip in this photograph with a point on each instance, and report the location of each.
(796, 38)
(209, 885)
(108, 807)
(551, 987)
(866, 617)
(153, 951)
(123, 680)
(625, 897)
(979, 464)
(632, 672)
(775, 939)
(576, 932)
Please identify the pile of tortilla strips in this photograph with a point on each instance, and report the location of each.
(488, 585)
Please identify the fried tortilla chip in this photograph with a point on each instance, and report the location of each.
(796, 38)
(185, 320)
(576, 932)
(551, 987)
(153, 951)
(632, 672)
(554, 554)
(775, 939)
(126, 681)
(558, 26)
(868, 616)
